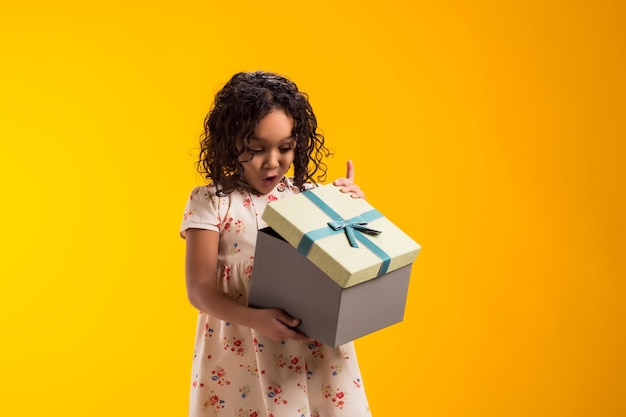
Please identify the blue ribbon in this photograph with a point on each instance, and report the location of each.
(349, 226)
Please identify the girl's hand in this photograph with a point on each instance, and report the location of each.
(347, 184)
(277, 325)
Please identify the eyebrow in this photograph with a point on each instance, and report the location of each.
(265, 140)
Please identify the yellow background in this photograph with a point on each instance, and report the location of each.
(490, 131)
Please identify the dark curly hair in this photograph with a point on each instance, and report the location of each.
(238, 107)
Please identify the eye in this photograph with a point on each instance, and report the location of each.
(255, 151)
(286, 149)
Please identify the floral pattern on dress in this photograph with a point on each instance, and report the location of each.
(213, 403)
(233, 344)
(237, 371)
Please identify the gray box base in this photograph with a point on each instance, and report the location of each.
(284, 278)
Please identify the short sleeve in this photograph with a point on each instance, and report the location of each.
(201, 211)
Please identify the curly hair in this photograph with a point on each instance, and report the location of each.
(238, 107)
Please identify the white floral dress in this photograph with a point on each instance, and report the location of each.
(236, 371)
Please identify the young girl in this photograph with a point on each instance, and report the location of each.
(251, 362)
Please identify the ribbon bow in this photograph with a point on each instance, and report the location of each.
(349, 227)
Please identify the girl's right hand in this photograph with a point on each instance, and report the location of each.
(277, 325)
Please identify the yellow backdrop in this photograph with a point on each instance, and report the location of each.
(492, 132)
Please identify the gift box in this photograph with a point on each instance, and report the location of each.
(334, 262)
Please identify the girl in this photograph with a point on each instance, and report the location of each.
(251, 362)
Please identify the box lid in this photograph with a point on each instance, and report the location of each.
(345, 237)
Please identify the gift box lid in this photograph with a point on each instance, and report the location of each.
(345, 237)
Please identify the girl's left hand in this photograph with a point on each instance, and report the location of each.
(347, 184)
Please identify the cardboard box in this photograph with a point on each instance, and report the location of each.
(284, 278)
(334, 262)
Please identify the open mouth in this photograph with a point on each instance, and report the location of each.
(269, 180)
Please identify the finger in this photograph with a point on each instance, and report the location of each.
(295, 335)
(350, 170)
(287, 319)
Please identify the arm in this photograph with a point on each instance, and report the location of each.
(205, 295)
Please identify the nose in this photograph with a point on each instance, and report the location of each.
(271, 160)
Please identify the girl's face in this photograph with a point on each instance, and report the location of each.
(270, 153)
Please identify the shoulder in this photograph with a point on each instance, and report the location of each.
(206, 193)
(210, 194)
